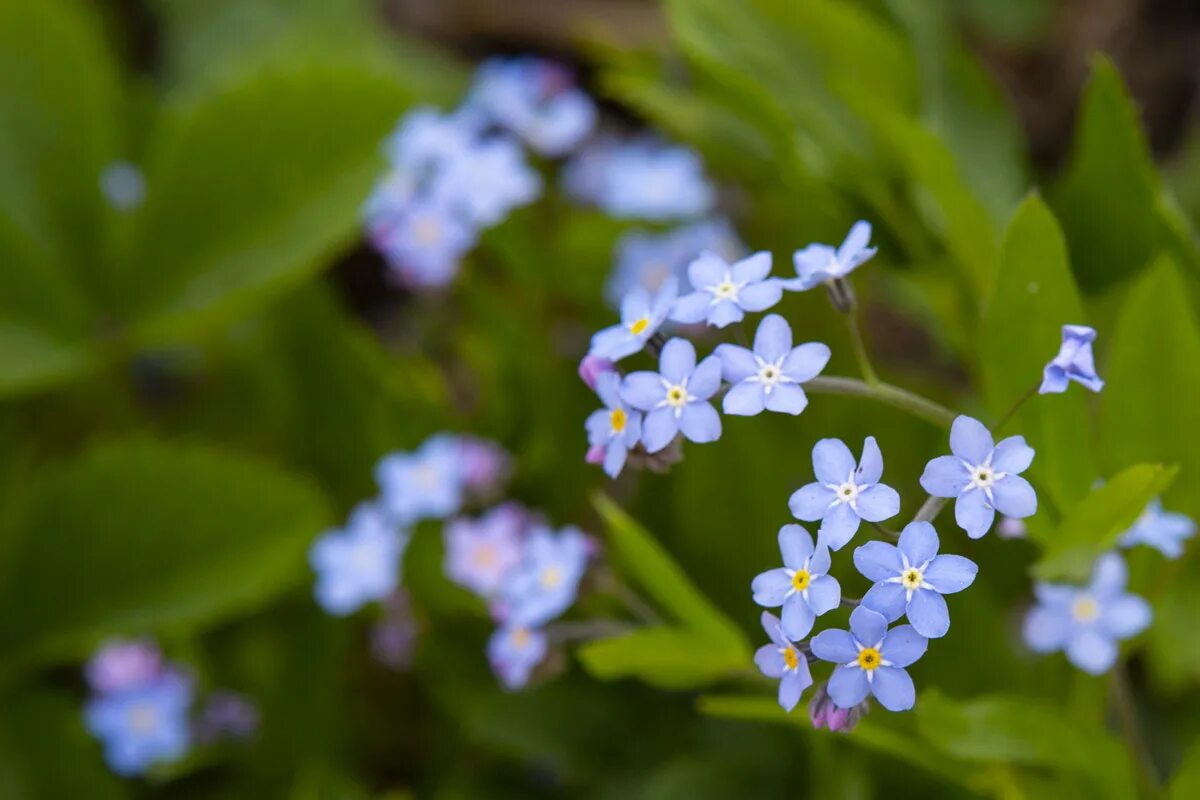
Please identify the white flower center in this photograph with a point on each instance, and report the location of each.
(677, 396)
(983, 476)
(847, 492)
(727, 289)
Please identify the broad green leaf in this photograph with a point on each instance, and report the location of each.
(1093, 526)
(141, 535)
(1172, 645)
(1185, 784)
(1033, 297)
(1107, 198)
(672, 658)
(644, 561)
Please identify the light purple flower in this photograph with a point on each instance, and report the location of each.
(802, 586)
(426, 138)
(513, 652)
(675, 398)
(424, 244)
(1074, 362)
(824, 713)
(544, 583)
(616, 427)
(480, 552)
(724, 292)
(783, 660)
(642, 178)
(871, 661)
(646, 259)
(487, 181)
(1165, 531)
(642, 314)
(485, 464)
(358, 563)
(123, 664)
(819, 263)
(535, 99)
(770, 376)
(845, 492)
(422, 485)
(226, 715)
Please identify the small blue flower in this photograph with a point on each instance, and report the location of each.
(1074, 362)
(424, 244)
(647, 259)
(144, 725)
(358, 563)
(871, 660)
(480, 552)
(781, 659)
(675, 398)
(985, 479)
(535, 99)
(123, 186)
(802, 586)
(640, 179)
(724, 292)
(422, 485)
(616, 427)
(1166, 531)
(123, 664)
(819, 263)
(543, 585)
(513, 652)
(1087, 622)
(487, 181)
(426, 138)
(770, 376)
(845, 492)
(642, 314)
(910, 578)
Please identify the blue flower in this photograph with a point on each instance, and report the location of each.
(724, 292)
(543, 585)
(781, 659)
(425, 484)
(535, 99)
(910, 578)
(487, 181)
(640, 179)
(845, 492)
(818, 263)
(802, 586)
(144, 725)
(358, 563)
(480, 552)
(123, 664)
(1166, 531)
(983, 478)
(513, 652)
(1087, 622)
(1074, 362)
(424, 244)
(871, 660)
(123, 186)
(647, 259)
(426, 138)
(675, 398)
(641, 316)
(616, 427)
(769, 377)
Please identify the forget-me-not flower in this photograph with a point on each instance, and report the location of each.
(802, 586)
(425, 484)
(675, 398)
(487, 181)
(646, 259)
(1165, 531)
(723, 293)
(544, 583)
(123, 664)
(783, 660)
(485, 464)
(845, 492)
(426, 138)
(358, 563)
(123, 186)
(616, 427)
(910, 578)
(424, 244)
(144, 725)
(871, 660)
(1087, 622)
(642, 314)
(535, 99)
(513, 651)
(984, 478)
(480, 552)
(1074, 362)
(642, 178)
(819, 263)
(770, 376)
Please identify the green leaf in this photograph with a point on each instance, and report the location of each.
(1034, 296)
(1095, 524)
(141, 535)
(1108, 197)
(670, 658)
(1185, 785)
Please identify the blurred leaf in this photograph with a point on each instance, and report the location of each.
(671, 658)
(1095, 524)
(1185, 785)
(139, 535)
(1034, 296)
(1174, 658)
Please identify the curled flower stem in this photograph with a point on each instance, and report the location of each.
(885, 393)
(891, 534)
(1008, 415)
(586, 630)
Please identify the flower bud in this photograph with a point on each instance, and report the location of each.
(825, 714)
(592, 367)
(595, 454)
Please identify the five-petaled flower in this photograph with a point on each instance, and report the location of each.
(143, 725)
(675, 398)
(770, 376)
(480, 552)
(1074, 362)
(819, 263)
(802, 586)
(359, 563)
(1087, 622)
(723, 293)
(543, 585)
(783, 660)
(426, 484)
(616, 427)
(513, 651)
(844, 492)
(910, 578)
(642, 314)
(871, 660)
(1165, 531)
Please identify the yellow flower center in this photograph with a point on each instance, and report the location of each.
(983, 477)
(800, 580)
(911, 579)
(551, 577)
(639, 326)
(484, 556)
(520, 637)
(791, 658)
(617, 418)
(676, 396)
(868, 658)
(142, 718)
(427, 231)
(1085, 609)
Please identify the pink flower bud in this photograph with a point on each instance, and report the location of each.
(824, 714)
(595, 454)
(592, 367)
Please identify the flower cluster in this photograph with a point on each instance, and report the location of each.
(640, 178)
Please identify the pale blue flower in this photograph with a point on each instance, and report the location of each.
(1165, 531)
(871, 661)
(819, 263)
(358, 563)
(480, 552)
(910, 578)
(770, 376)
(803, 586)
(423, 245)
(1087, 622)
(845, 492)
(1074, 362)
(544, 583)
(724, 292)
(647, 259)
(513, 652)
(642, 314)
(144, 725)
(985, 479)
(536, 99)
(426, 139)
(422, 485)
(781, 659)
(487, 181)
(123, 186)
(616, 427)
(640, 179)
(676, 397)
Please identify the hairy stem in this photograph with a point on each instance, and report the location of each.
(931, 508)
(885, 393)
(1015, 407)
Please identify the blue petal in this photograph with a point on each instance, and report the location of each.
(870, 466)
(787, 399)
(867, 626)
(752, 269)
(760, 296)
(700, 423)
(635, 305)
(744, 399)
(889, 599)
(658, 429)
(838, 526)
(677, 360)
(824, 594)
(614, 458)
(820, 561)
(877, 503)
(834, 645)
(608, 389)
(945, 476)
(973, 514)
(1014, 497)
(1012, 455)
(725, 313)
(771, 587)
(691, 308)
(1091, 651)
(810, 502)
(643, 390)
(598, 426)
(1054, 380)
(903, 646)
(855, 242)
(806, 361)
(894, 689)
(773, 339)
(918, 542)
(832, 461)
(793, 685)
(928, 614)
(848, 686)
(770, 624)
(737, 363)
(1125, 616)
(708, 269)
(706, 378)
(1108, 575)
(878, 561)
(970, 440)
(949, 573)
(770, 661)
(1047, 629)
(797, 618)
(614, 343)
(795, 545)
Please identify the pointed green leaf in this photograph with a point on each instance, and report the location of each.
(672, 658)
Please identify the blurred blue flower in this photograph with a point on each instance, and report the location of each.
(487, 181)
(143, 725)
(513, 651)
(425, 484)
(781, 659)
(983, 478)
(424, 244)
(802, 586)
(818, 263)
(642, 314)
(845, 492)
(871, 660)
(724, 292)
(1074, 362)
(485, 464)
(543, 585)
(647, 259)
(642, 178)
(770, 376)
(910, 578)
(616, 427)
(1087, 622)
(426, 138)
(675, 398)
(358, 563)
(535, 99)
(480, 552)
(122, 664)
(123, 186)
(1165, 531)
(226, 715)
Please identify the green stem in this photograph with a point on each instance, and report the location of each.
(931, 508)
(1127, 717)
(1008, 415)
(860, 347)
(884, 393)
